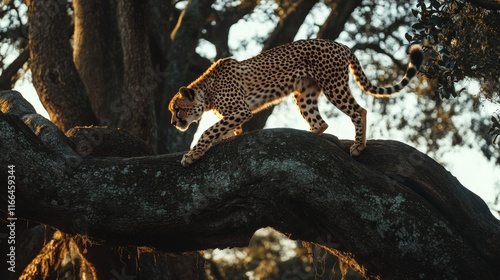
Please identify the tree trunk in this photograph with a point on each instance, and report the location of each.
(54, 75)
(98, 57)
(140, 83)
(340, 14)
(391, 213)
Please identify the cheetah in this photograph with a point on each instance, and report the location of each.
(236, 90)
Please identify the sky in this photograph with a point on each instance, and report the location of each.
(469, 166)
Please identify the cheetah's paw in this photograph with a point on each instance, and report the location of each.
(319, 129)
(188, 159)
(356, 149)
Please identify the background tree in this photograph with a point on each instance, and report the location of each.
(463, 44)
(117, 64)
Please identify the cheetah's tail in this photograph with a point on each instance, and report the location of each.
(416, 58)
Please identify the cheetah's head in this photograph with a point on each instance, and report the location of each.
(185, 108)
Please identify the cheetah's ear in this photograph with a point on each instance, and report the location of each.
(187, 93)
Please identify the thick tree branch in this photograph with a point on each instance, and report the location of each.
(218, 33)
(340, 14)
(287, 27)
(7, 77)
(392, 213)
(55, 78)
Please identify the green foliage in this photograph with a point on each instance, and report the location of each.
(463, 42)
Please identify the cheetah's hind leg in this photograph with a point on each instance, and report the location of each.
(306, 96)
(342, 98)
(359, 120)
(235, 132)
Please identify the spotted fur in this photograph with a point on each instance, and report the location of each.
(236, 90)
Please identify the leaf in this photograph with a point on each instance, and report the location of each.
(443, 93)
(495, 130)
(436, 4)
(424, 8)
(408, 37)
(435, 20)
(495, 121)
(418, 25)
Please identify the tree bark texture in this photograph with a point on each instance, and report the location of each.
(98, 57)
(139, 117)
(391, 213)
(340, 14)
(54, 75)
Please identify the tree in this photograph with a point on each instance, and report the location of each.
(463, 40)
(117, 64)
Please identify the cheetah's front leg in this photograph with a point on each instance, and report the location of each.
(216, 132)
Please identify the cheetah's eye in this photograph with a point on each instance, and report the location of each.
(176, 110)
